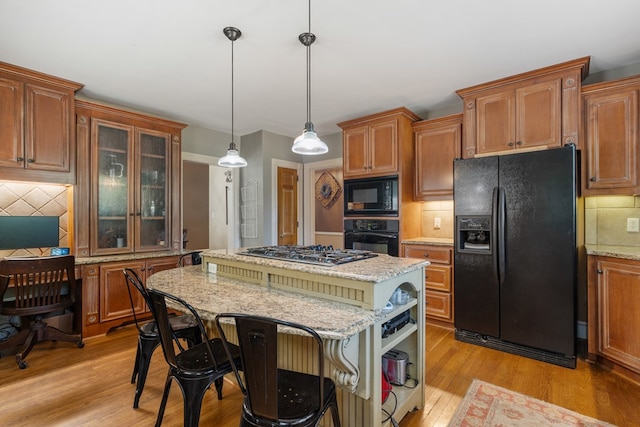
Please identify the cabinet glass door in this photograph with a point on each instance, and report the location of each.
(111, 203)
(152, 226)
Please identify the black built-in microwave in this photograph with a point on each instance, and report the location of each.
(371, 196)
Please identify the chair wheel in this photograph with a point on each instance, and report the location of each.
(22, 365)
(80, 344)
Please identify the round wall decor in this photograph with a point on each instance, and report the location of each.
(328, 189)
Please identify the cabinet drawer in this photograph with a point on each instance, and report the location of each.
(430, 253)
(438, 277)
(438, 304)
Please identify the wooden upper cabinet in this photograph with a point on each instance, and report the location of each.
(437, 143)
(383, 147)
(37, 140)
(534, 110)
(372, 145)
(356, 151)
(128, 193)
(611, 132)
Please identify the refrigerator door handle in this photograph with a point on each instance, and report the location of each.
(501, 211)
(494, 233)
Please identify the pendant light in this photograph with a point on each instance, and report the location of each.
(308, 143)
(232, 159)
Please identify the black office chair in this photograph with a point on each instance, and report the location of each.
(196, 368)
(184, 327)
(192, 258)
(40, 286)
(274, 396)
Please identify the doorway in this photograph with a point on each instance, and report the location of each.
(293, 215)
(287, 206)
(195, 202)
(210, 223)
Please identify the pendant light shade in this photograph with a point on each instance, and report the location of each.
(232, 159)
(308, 143)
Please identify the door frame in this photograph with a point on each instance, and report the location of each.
(309, 195)
(233, 238)
(299, 167)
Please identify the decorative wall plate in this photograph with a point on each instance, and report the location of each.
(328, 189)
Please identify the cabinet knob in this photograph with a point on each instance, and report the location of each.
(510, 144)
(519, 143)
(31, 161)
(131, 214)
(19, 159)
(138, 214)
(426, 255)
(599, 271)
(592, 179)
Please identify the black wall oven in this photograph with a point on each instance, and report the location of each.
(376, 235)
(371, 196)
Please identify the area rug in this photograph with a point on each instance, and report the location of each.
(488, 405)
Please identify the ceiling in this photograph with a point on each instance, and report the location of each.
(171, 58)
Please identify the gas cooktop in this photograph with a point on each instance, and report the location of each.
(316, 254)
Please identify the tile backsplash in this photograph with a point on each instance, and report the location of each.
(438, 209)
(30, 199)
(606, 220)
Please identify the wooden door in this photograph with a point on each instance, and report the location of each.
(495, 122)
(11, 124)
(538, 117)
(437, 143)
(112, 188)
(356, 152)
(612, 135)
(287, 206)
(114, 296)
(152, 196)
(155, 265)
(618, 312)
(383, 148)
(48, 142)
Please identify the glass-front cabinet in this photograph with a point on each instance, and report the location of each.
(130, 190)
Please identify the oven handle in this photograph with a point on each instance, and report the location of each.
(371, 233)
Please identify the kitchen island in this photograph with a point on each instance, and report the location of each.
(345, 304)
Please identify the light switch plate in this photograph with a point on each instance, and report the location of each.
(437, 223)
(633, 225)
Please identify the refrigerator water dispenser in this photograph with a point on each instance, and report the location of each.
(474, 233)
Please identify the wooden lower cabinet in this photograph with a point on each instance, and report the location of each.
(105, 299)
(614, 312)
(438, 280)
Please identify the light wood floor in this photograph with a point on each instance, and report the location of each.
(67, 386)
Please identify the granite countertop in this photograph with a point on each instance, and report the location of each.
(132, 256)
(210, 295)
(376, 269)
(626, 252)
(436, 241)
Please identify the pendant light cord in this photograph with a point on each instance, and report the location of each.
(309, 71)
(232, 134)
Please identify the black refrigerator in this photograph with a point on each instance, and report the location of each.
(515, 258)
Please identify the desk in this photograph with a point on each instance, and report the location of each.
(352, 334)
